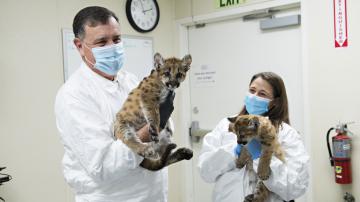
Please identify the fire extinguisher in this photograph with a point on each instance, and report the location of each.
(340, 158)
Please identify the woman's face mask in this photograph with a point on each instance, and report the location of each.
(256, 105)
(108, 59)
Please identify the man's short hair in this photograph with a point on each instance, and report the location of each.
(91, 16)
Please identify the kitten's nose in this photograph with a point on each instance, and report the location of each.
(243, 142)
(173, 84)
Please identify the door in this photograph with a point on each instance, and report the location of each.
(225, 56)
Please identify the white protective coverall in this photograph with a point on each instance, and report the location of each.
(98, 167)
(217, 165)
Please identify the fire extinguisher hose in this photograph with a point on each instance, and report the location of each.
(328, 145)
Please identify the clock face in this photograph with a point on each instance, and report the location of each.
(143, 15)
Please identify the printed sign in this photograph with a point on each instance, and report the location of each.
(228, 3)
(204, 76)
(340, 24)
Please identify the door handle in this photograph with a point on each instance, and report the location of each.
(196, 133)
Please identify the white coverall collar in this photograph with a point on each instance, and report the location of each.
(104, 82)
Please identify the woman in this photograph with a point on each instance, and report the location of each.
(288, 181)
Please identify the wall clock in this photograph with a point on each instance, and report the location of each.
(143, 15)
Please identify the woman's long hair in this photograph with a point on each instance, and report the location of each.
(278, 107)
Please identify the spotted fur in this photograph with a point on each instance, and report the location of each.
(247, 127)
(142, 107)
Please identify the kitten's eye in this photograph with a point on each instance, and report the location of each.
(178, 75)
(167, 74)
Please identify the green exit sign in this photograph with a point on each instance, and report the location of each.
(228, 3)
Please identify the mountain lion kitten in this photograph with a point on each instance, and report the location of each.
(247, 127)
(142, 107)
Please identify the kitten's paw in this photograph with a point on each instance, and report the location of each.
(168, 149)
(249, 198)
(239, 163)
(171, 146)
(186, 153)
(263, 172)
(150, 153)
(244, 158)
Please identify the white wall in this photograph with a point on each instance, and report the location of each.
(333, 92)
(31, 73)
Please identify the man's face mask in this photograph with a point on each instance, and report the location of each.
(256, 105)
(108, 59)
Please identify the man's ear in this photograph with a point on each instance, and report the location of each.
(158, 61)
(79, 46)
(186, 61)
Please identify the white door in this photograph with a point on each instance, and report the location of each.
(225, 56)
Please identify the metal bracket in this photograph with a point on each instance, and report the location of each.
(195, 132)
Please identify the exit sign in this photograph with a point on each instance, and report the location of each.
(228, 3)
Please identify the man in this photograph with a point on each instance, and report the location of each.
(98, 167)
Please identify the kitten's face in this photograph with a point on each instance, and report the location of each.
(245, 127)
(172, 70)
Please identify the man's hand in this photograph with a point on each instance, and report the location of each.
(166, 108)
(144, 134)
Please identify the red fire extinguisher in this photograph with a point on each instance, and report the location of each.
(340, 158)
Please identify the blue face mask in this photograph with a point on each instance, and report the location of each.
(108, 59)
(256, 105)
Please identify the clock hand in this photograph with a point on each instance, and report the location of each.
(142, 7)
(148, 10)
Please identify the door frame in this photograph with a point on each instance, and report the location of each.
(183, 117)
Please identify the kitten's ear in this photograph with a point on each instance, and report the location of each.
(232, 123)
(232, 119)
(158, 61)
(186, 61)
(232, 127)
